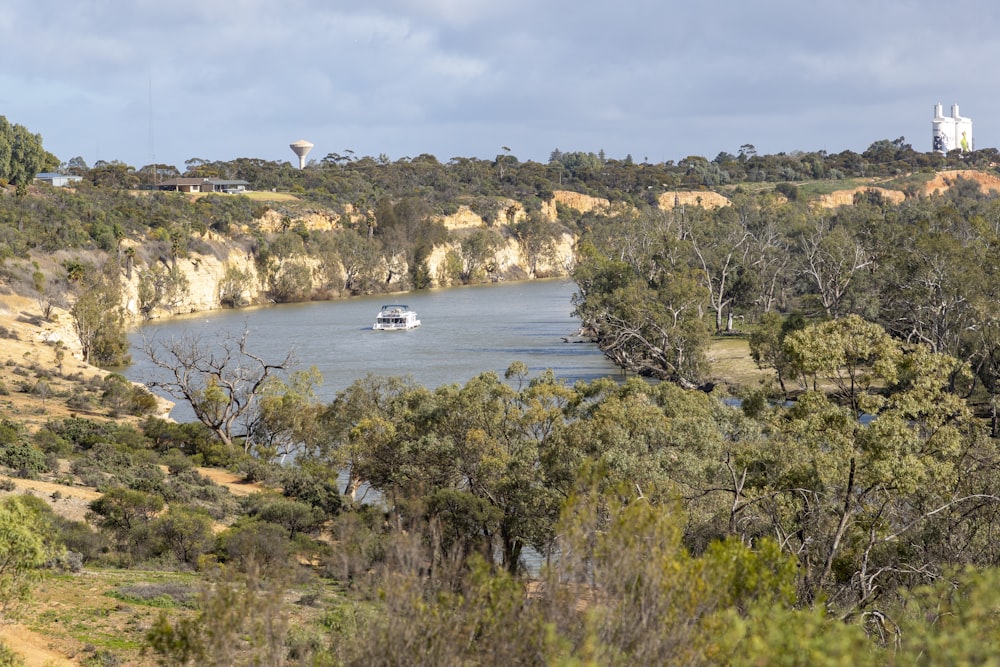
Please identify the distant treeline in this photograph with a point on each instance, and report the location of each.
(347, 178)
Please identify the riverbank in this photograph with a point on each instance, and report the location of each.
(41, 364)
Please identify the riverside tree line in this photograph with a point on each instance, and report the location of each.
(853, 524)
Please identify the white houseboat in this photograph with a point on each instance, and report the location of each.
(394, 317)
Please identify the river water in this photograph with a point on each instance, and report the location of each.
(465, 331)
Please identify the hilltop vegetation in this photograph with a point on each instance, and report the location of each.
(842, 510)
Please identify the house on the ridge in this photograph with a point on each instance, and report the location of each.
(204, 185)
(183, 185)
(57, 180)
(229, 187)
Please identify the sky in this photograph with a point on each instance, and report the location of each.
(143, 81)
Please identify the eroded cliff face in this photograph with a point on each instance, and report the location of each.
(705, 199)
(846, 197)
(204, 274)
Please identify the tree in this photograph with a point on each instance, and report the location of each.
(184, 532)
(222, 382)
(26, 544)
(355, 420)
(126, 514)
(833, 260)
(767, 345)
(850, 489)
(21, 154)
(849, 352)
(537, 238)
(360, 260)
(160, 287)
(232, 286)
(99, 317)
(287, 417)
(478, 249)
(719, 241)
(647, 323)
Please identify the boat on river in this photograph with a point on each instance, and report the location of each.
(396, 317)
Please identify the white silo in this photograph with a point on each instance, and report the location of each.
(949, 133)
(301, 148)
(963, 130)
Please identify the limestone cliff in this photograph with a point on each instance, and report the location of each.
(204, 273)
(846, 197)
(703, 198)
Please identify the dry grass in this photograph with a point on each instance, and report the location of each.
(76, 617)
(731, 364)
(253, 194)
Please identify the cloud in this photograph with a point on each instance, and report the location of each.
(463, 77)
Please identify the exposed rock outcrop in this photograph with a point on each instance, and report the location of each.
(580, 203)
(945, 179)
(846, 197)
(705, 199)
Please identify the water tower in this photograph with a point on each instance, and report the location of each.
(301, 148)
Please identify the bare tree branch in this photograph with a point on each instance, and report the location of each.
(220, 380)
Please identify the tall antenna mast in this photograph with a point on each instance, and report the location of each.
(152, 143)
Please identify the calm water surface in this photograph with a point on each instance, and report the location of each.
(465, 331)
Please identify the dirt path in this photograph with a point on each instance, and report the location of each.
(32, 647)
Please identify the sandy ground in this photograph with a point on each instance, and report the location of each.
(32, 647)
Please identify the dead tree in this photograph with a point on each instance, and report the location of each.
(221, 380)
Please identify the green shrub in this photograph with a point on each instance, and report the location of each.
(79, 538)
(319, 493)
(125, 397)
(184, 532)
(83, 434)
(23, 457)
(294, 516)
(251, 543)
(10, 432)
(177, 462)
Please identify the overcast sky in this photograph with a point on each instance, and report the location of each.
(142, 80)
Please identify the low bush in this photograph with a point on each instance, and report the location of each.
(157, 594)
(23, 457)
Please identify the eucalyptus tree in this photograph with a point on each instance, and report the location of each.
(833, 262)
(357, 422)
(666, 443)
(929, 293)
(471, 466)
(719, 241)
(479, 248)
(29, 542)
(537, 238)
(853, 483)
(767, 272)
(359, 259)
(640, 296)
(21, 154)
(99, 316)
